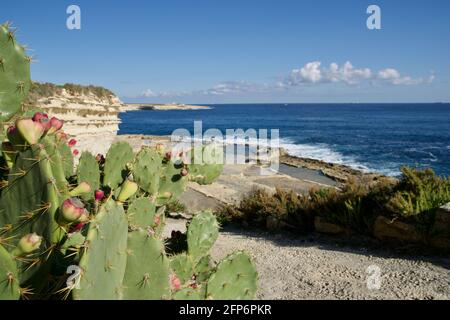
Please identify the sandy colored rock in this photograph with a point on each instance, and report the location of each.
(394, 230)
(323, 226)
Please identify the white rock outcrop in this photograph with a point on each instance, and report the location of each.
(93, 121)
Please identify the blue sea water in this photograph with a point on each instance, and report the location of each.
(375, 137)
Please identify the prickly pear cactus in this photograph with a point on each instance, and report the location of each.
(88, 171)
(147, 271)
(235, 278)
(202, 234)
(104, 259)
(146, 169)
(117, 158)
(9, 277)
(142, 213)
(14, 74)
(30, 200)
(189, 294)
(183, 267)
(172, 183)
(206, 163)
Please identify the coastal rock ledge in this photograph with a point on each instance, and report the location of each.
(91, 114)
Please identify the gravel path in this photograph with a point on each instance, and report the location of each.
(316, 267)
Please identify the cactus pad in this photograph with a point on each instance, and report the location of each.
(141, 213)
(14, 74)
(210, 165)
(146, 170)
(188, 294)
(147, 272)
(117, 158)
(89, 172)
(9, 277)
(104, 258)
(201, 235)
(183, 267)
(235, 278)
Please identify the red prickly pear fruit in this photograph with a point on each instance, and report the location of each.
(56, 125)
(82, 188)
(29, 243)
(29, 130)
(193, 285)
(157, 220)
(38, 116)
(99, 195)
(100, 158)
(72, 142)
(72, 211)
(78, 227)
(128, 189)
(168, 156)
(175, 282)
(184, 172)
(75, 152)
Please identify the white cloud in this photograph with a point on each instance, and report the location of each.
(394, 77)
(312, 73)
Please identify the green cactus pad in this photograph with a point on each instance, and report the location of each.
(103, 261)
(88, 171)
(188, 294)
(14, 74)
(30, 201)
(235, 278)
(203, 269)
(210, 165)
(117, 158)
(66, 158)
(57, 164)
(201, 235)
(75, 240)
(182, 266)
(141, 213)
(146, 170)
(9, 277)
(171, 183)
(147, 272)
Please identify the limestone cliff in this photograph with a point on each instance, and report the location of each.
(90, 113)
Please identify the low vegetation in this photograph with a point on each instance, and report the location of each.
(40, 90)
(414, 198)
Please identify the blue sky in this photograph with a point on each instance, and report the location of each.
(221, 51)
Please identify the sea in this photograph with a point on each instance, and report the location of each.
(370, 137)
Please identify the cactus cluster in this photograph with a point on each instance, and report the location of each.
(104, 217)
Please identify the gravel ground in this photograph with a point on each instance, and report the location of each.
(317, 267)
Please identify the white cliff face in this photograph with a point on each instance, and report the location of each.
(91, 120)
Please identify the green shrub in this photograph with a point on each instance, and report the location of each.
(414, 198)
(174, 206)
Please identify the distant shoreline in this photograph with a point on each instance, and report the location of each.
(161, 107)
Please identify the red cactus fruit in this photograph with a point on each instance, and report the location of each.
(99, 195)
(75, 152)
(175, 282)
(72, 142)
(73, 211)
(184, 172)
(38, 116)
